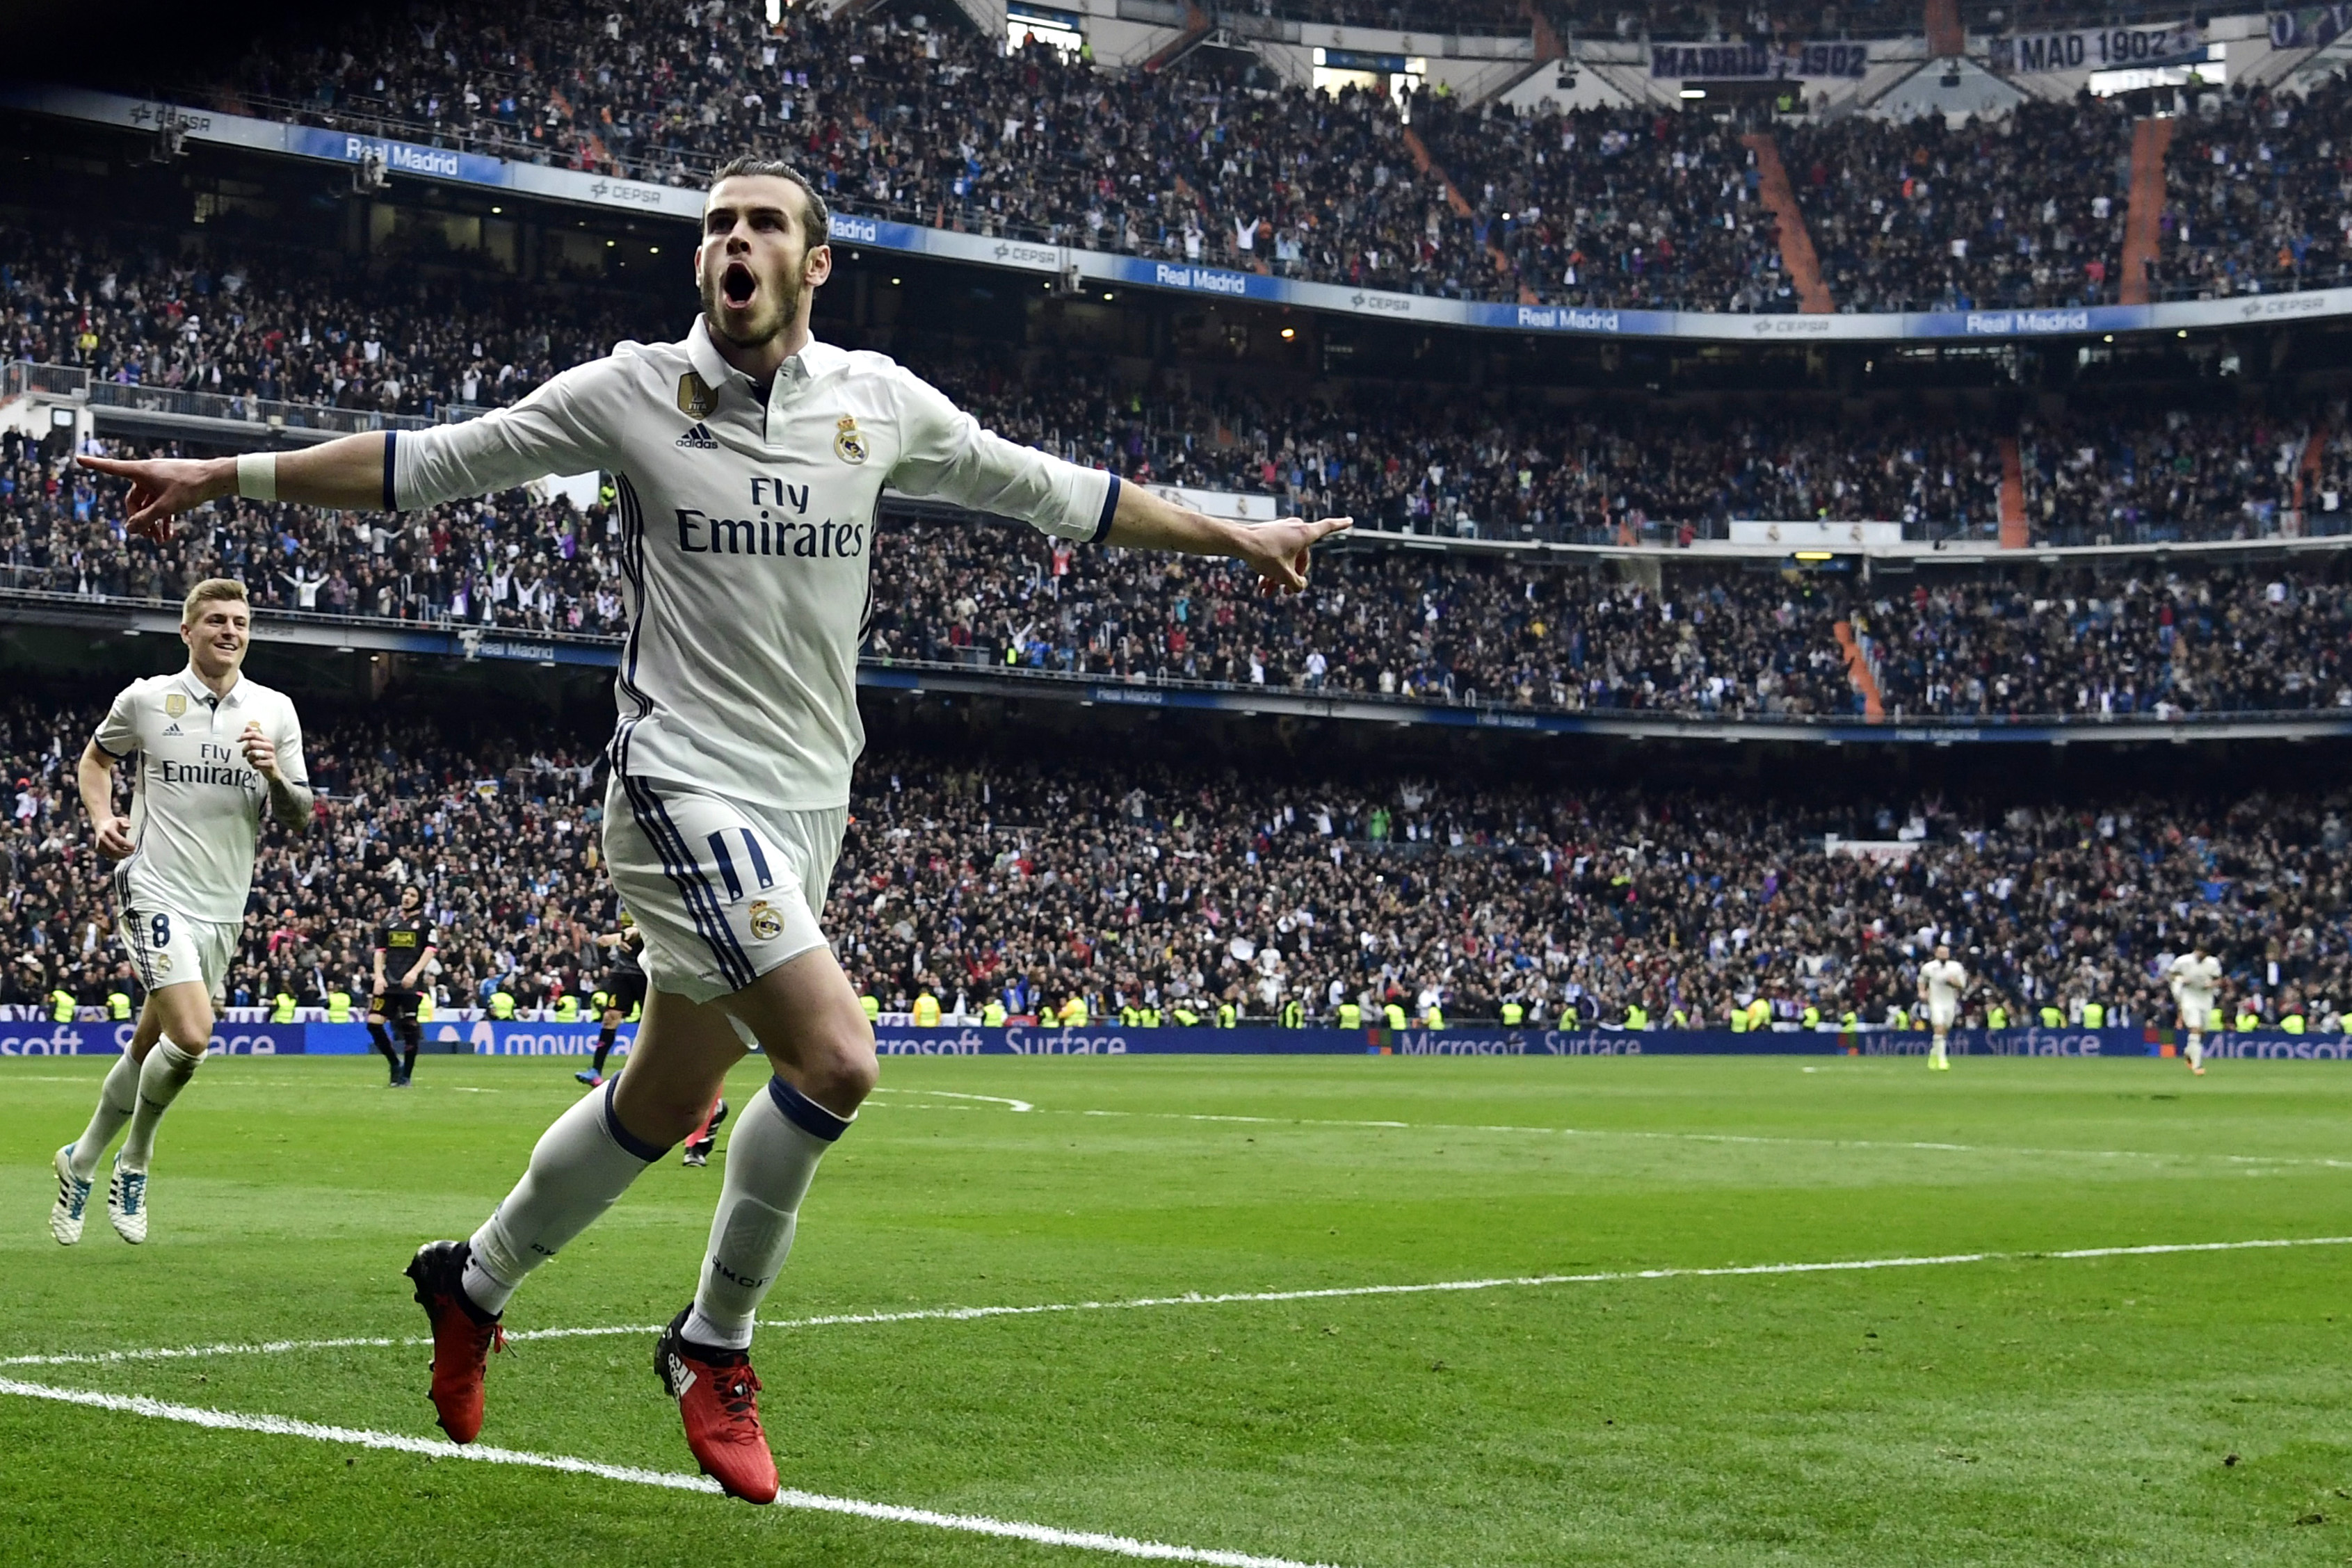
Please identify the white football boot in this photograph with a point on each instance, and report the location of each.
(126, 1203)
(73, 1199)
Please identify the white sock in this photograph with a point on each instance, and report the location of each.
(117, 1098)
(161, 1076)
(583, 1161)
(1936, 1049)
(770, 1159)
(2196, 1048)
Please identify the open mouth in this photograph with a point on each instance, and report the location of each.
(736, 284)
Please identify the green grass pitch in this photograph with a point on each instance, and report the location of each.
(2165, 1409)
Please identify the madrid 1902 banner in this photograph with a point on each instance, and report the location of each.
(2109, 49)
(1756, 62)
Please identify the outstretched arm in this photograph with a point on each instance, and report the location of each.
(1276, 551)
(346, 473)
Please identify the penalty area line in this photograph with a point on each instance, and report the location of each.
(1230, 1298)
(631, 1475)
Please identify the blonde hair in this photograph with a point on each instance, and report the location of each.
(207, 591)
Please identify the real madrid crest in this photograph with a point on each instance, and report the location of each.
(163, 963)
(766, 923)
(695, 398)
(851, 442)
(176, 703)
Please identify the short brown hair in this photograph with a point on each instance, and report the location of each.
(207, 591)
(816, 218)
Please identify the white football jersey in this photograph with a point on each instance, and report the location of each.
(748, 531)
(1944, 979)
(2196, 979)
(196, 813)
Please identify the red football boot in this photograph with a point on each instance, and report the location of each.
(463, 1338)
(715, 1389)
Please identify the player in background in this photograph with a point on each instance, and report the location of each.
(1942, 981)
(747, 461)
(215, 754)
(701, 1142)
(404, 952)
(625, 992)
(2196, 981)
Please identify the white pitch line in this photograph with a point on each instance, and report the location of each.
(1005, 1100)
(816, 1502)
(1231, 1298)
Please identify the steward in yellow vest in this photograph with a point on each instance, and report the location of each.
(1351, 1016)
(927, 1010)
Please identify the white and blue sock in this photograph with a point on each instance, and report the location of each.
(771, 1160)
(161, 1076)
(118, 1097)
(584, 1162)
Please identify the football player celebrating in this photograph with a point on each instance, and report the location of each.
(1942, 981)
(407, 941)
(215, 754)
(2196, 981)
(748, 459)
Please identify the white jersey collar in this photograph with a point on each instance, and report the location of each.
(194, 685)
(813, 361)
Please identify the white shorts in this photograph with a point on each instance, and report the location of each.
(2197, 1014)
(169, 949)
(723, 891)
(1942, 1016)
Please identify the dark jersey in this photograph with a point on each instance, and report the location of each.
(624, 957)
(403, 942)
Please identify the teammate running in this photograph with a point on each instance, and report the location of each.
(1942, 981)
(624, 991)
(747, 460)
(409, 941)
(215, 752)
(2196, 981)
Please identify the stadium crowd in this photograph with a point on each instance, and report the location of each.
(1630, 207)
(289, 327)
(1706, 639)
(2260, 195)
(1188, 888)
(2027, 209)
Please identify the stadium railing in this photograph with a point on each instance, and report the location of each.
(21, 377)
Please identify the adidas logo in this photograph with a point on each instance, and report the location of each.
(699, 438)
(681, 1376)
(170, 729)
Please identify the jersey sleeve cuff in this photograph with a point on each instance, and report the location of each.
(1109, 510)
(106, 749)
(390, 492)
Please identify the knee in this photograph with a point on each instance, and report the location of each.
(838, 1069)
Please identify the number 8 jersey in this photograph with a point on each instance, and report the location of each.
(196, 813)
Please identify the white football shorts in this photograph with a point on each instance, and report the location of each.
(170, 949)
(2197, 1013)
(724, 891)
(1942, 1016)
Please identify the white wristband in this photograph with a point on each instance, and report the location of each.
(257, 476)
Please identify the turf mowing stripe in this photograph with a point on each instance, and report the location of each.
(815, 1502)
(1716, 1138)
(1195, 1299)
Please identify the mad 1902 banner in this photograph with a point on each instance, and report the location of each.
(485, 1038)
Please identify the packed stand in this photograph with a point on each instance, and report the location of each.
(2173, 475)
(2024, 210)
(1406, 625)
(2162, 641)
(1640, 208)
(934, 126)
(1185, 889)
(1632, 207)
(287, 327)
(2259, 194)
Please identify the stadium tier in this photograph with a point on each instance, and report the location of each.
(1708, 639)
(1510, 195)
(980, 879)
